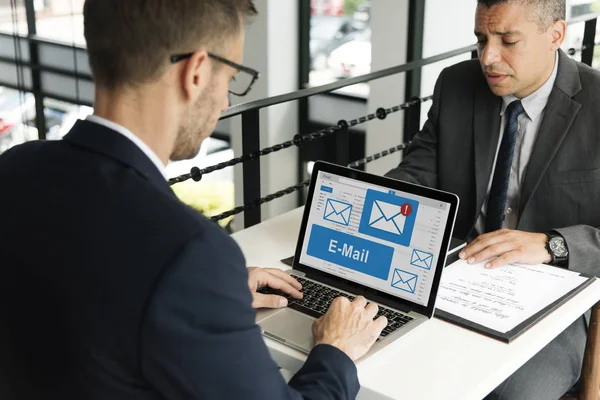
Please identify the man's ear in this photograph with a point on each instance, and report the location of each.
(195, 75)
(558, 30)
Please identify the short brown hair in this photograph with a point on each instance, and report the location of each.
(130, 41)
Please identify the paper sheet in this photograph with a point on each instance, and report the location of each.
(502, 298)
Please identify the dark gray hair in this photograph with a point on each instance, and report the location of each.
(546, 12)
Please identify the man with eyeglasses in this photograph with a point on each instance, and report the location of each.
(110, 287)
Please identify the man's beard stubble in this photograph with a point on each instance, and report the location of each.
(193, 129)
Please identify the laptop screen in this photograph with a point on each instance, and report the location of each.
(384, 239)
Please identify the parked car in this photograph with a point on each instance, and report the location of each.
(363, 13)
(15, 109)
(18, 118)
(326, 7)
(322, 31)
(352, 58)
(329, 33)
(60, 117)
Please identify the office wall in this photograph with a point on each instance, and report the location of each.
(446, 28)
(389, 24)
(272, 48)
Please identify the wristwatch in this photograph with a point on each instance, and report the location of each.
(557, 248)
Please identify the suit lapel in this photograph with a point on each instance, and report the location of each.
(486, 131)
(559, 114)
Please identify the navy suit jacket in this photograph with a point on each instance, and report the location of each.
(111, 288)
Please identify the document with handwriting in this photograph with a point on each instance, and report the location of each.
(502, 298)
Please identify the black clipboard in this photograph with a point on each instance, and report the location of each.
(518, 330)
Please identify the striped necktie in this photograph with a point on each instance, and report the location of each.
(496, 207)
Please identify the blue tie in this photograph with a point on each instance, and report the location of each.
(496, 207)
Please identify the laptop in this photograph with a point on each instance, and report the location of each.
(363, 234)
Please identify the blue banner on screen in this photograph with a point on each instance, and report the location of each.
(358, 254)
(389, 217)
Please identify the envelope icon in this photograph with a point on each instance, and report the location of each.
(387, 217)
(421, 259)
(338, 212)
(403, 280)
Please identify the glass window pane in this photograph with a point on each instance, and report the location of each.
(215, 193)
(18, 117)
(60, 20)
(61, 116)
(340, 42)
(17, 109)
(574, 37)
(13, 19)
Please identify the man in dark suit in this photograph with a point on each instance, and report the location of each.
(110, 287)
(519, 144)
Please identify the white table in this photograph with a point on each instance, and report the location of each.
(436, 361)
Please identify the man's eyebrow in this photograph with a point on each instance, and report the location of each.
(502, 33)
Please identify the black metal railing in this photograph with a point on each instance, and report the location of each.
(250, 114)
(250, 111)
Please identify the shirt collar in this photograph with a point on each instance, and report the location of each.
(131, 136)
(535, 103)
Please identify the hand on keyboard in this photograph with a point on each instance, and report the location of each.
(349, 326)
(275, 279)
(318, 298)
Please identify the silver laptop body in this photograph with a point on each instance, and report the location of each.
(368, 235)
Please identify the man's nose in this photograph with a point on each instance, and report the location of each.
(489, 55)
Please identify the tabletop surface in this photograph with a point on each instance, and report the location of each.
(437, 360)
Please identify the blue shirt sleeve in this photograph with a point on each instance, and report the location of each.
(200, 339)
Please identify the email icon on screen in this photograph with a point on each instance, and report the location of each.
(421, 259)
(338, 212)
(405, 281)
(387, 217)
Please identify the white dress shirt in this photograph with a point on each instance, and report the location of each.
(131, 136)
(529, 124)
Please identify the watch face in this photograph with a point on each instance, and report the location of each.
(557, 245)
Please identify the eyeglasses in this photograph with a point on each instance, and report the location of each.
(241, 83)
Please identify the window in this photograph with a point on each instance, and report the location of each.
(340, 42)
(18, 117)
(60, 20)
(13, 20)
(16, 109)
(574, 37)
(579, 8)
(215, 193)
(61, 116)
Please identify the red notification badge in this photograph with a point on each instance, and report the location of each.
(406, 209)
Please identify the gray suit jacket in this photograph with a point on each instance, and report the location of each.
(561, 189)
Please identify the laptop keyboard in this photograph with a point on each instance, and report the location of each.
(317, 299)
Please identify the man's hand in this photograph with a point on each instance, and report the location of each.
(275, 279)
(509, 247)
(349, 326)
